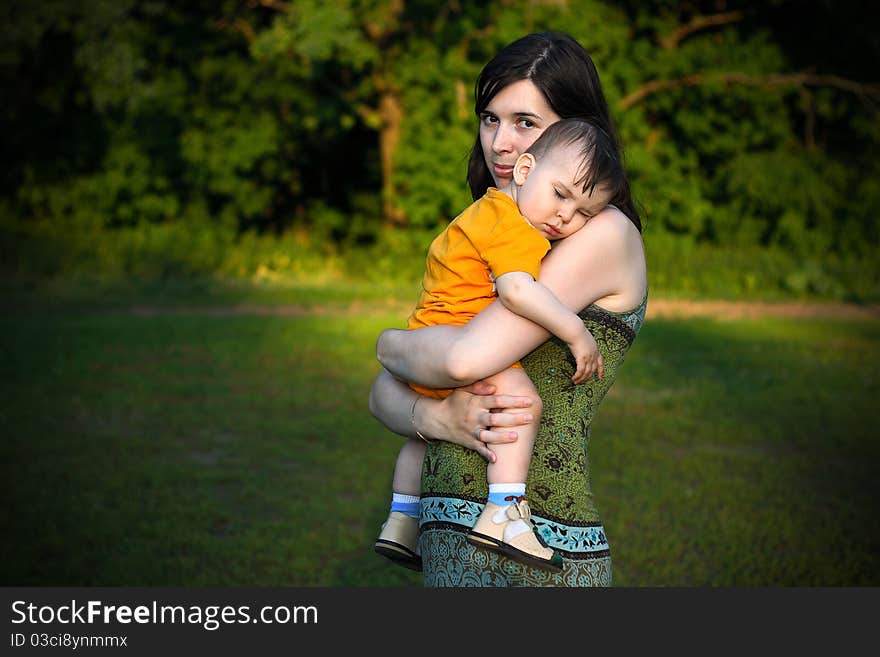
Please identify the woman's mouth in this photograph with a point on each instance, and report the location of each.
(502, 170)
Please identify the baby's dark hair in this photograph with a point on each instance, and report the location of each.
(599, 163)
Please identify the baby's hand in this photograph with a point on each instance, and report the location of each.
(588, 360)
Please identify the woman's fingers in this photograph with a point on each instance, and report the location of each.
(477, 421)
(483, 450)
(495, 424)
(504, 401)
(501, 419)
(494, 436)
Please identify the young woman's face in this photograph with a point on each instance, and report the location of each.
(511, 122)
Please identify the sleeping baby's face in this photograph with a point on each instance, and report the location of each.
(548, 196)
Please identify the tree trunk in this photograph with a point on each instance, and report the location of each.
(391, 115)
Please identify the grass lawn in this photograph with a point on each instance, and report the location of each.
(238, 450)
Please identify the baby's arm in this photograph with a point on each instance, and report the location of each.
(523, 295)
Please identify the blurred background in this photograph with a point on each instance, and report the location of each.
(263, 138)
(208, 211)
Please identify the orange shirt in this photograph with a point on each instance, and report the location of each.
(489, 239)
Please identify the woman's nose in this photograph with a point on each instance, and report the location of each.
(503, 141)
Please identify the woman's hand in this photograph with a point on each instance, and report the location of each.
(473, 417)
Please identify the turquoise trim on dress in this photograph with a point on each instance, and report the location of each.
(585, 540)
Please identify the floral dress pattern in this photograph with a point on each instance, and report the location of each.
(454, 486)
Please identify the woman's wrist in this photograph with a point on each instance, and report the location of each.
(419, 422)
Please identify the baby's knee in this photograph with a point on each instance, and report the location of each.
(528, 390)
(523, 386)
(515, 382)
(537, 406)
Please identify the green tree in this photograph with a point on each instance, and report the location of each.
(351, 121)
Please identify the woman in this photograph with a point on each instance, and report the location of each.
(598, 272)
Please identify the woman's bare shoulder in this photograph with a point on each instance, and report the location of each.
(612, 224)
(611, 232)
(608, 251)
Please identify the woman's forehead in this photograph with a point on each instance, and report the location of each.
(521, 97)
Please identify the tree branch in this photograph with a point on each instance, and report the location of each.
(769, 81)
(240, 26)
(698, 23)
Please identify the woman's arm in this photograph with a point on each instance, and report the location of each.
(604, 261)
(454, 419)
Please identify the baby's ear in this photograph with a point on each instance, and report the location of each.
(523, 167)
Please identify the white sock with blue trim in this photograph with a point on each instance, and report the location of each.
(408, 504)
(504, 495)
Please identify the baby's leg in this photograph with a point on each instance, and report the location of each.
(512, 464)
(505, 524)
(398, 538)
(408, 471)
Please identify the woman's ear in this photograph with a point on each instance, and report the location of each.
(523, 167)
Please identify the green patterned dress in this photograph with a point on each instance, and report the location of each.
(454, 486)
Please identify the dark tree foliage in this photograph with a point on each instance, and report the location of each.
(746, 125)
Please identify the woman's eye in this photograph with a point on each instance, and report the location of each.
(489, 119)
(526, 123)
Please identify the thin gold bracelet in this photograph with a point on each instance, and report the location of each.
(412, 418)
